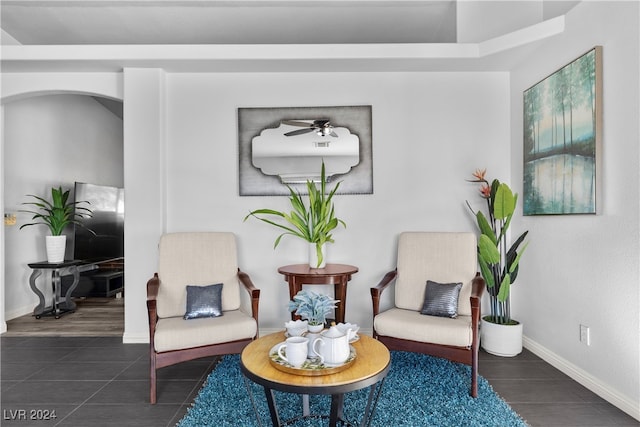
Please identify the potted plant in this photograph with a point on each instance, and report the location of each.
(498, 265)
(312, 222)
(312, 307)
(56, 215)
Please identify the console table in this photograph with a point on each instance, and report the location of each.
(62, 304)
(59, 306)
(332, 274)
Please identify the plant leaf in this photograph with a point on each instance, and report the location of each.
(487, 250)
(485, 227)
(504, 203)
(505, 285)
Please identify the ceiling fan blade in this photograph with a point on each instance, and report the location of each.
(321, 122)
(333, 134)
(298, 132)
(297, 123)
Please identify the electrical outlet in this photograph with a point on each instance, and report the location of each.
(9, 219)
(584, 335)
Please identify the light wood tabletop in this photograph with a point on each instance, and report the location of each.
(372, 358)
(370, 367)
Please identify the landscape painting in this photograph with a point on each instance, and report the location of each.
(562, 127)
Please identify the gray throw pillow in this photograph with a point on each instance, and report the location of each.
(441, 299)
(204, 301)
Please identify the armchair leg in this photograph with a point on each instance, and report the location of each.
(152, 379)
(474, 383)
(474, 372)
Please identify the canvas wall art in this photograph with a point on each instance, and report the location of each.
(562, 139)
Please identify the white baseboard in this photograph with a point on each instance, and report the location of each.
(129, 338)
(267, 331)
(624, 403)
(18, 312)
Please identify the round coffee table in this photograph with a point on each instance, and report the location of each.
(369, 370)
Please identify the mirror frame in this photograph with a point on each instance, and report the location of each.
(253, 120)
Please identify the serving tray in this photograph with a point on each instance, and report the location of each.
(312, 367)
(355, 338)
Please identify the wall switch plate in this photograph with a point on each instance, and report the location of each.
(584, 335)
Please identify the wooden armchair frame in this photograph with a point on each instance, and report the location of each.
(466, 355)
(167, 358)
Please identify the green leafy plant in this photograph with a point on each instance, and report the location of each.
(58, 213)
(312, 307)
(312, 222)
(498, 261)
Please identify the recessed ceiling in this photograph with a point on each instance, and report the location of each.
(228, 22)
(78, 22)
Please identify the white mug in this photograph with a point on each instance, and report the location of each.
(297, 349)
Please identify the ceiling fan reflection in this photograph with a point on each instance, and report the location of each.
(321, 127)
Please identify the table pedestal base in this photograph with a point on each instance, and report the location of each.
(61, 304)
(336, 415)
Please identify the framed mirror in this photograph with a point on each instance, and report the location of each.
(279, 146)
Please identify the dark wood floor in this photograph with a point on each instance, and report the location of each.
(93, 317)
(99, 381)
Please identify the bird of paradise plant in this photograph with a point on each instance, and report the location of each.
(498, 261)
(313, 224)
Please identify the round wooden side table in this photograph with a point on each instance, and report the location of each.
(337, 275)
(371, 366)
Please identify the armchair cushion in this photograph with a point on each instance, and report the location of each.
(175, 333)
(196, 259)
(411, 325)
(441, 299)
(442, 257)
(204, 301)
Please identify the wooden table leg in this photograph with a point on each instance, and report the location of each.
(295, 286)
(340, 291)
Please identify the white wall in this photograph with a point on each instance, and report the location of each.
(430, 132)
(145, 187)
(585, 269)
(49, 141)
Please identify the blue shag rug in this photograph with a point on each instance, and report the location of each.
(419, 390)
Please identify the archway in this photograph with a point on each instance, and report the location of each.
(17, 92)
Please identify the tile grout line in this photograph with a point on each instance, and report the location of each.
(97, 391)
(199, 386)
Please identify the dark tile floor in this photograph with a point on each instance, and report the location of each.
(98, 381)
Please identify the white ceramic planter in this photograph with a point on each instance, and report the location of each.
(313, 256)
(56, 246)
(501, 340)
(315, 329)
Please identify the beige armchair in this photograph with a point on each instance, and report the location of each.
(198, 259)
(444, 258)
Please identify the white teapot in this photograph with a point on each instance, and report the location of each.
(332, 346)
